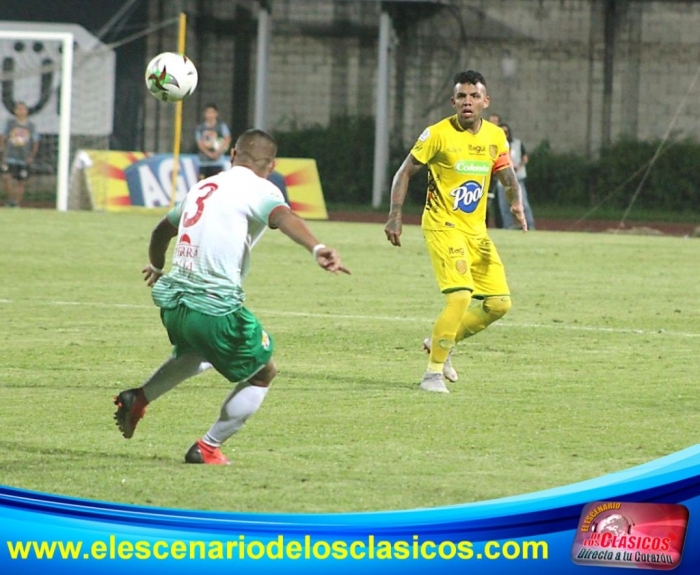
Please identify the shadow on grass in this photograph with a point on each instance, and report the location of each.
(68, 454)
(346, 382)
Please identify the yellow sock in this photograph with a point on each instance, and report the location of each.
(446, 326)
(482, 314)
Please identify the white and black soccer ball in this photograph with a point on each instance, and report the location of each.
(171, 77)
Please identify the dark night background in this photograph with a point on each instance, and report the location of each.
(94, 15)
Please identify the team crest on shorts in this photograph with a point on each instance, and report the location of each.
(265, 340)
(461, 266)
(493, 151)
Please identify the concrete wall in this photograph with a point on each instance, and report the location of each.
(544, 61)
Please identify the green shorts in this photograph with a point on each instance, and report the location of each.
(235, 344)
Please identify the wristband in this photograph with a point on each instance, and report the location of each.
(154, 269)
(317, 248)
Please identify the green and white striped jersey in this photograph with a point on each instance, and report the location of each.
(219, 222)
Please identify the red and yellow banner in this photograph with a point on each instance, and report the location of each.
(304, 192)
(117, 181)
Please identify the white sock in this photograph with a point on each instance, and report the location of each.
(238, 407)
(171, 373)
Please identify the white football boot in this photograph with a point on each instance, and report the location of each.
(433, 382)
(448, 371)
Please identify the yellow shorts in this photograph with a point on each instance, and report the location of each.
(466, 262)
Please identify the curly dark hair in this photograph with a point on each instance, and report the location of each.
(470, 77)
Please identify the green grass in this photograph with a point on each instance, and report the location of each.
(638, 214)
(593, 371)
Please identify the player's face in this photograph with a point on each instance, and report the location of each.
(21, 111)
(469, 101)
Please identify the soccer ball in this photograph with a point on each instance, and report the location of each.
(171, 77)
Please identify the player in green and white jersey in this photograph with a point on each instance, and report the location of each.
(201, 298)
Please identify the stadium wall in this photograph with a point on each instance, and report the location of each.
(579, 73)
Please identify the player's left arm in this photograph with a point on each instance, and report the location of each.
(4, 142)
(35, 148)
(295, 228)
(226, 134)
(509, 181)
(157, 247)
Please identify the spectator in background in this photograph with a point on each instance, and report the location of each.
(518, 156)
(277, 178)
(492, 211)
(19, 144)
(213, 140)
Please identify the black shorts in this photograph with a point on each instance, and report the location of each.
(19, 172)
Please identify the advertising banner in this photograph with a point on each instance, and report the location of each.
(115, 180)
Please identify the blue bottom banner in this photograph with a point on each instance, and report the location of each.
(641, 518)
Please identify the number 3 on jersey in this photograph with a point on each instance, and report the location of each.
(192, 220)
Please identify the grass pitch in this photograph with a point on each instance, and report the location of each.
(594, 370)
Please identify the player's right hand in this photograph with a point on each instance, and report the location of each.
(151, 275)
(329, 260)
(393, 230)
(517, 210)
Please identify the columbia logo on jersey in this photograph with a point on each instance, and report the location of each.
(475, 167)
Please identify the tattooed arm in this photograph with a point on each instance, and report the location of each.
(510, 183)
(399, 188)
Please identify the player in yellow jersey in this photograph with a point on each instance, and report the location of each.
(461, 152)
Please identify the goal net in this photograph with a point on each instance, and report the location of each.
(66, 77)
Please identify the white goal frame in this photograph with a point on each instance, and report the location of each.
(66, 39)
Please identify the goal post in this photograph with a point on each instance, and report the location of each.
(66, 77)
(66, 39)
(181, 37)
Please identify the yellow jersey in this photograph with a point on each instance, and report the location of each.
(460, 165)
